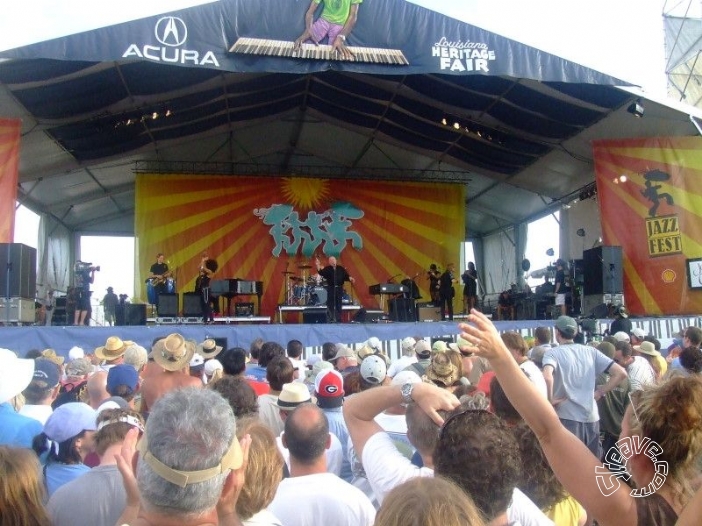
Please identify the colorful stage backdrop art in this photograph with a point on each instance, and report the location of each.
(9, 160)
(259, 228)
(655, 215)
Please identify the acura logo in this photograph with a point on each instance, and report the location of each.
(171, 31)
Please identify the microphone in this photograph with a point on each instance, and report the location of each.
(393, 277)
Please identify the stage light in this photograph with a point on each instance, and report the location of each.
(169, 113)
(636, 109)
(154, 115)
(457, 125)
(622, 178)
(444, 121)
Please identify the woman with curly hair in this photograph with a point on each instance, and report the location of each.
(21, 489)
(662, 428)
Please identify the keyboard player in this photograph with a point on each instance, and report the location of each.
(336, 276)
(336, 22)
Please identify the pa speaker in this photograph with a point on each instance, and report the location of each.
(135, 314)
(402, 309)
(168, 305)
(18, 279)
(316, 315)
(603, 271)
(191, 305)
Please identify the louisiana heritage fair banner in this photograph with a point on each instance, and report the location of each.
(655, 215)
(270, 228)
(9, 161)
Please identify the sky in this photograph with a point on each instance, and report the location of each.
(623, 38)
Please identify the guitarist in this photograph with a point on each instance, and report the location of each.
(159, 274)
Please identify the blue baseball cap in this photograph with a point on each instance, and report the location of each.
(122, 374)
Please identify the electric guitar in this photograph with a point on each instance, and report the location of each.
(158, 280)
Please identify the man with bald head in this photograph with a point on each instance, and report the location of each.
(336, 276)
(97, 389)
(311, 494)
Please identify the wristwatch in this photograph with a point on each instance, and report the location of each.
(406, 391)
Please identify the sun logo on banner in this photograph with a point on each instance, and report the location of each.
(304, 192)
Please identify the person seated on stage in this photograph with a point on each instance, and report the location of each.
(505, 305)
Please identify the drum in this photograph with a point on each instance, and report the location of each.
(299, 292)
(151, 294)
(170, 286)
(318, 296)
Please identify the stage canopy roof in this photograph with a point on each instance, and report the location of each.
(173, 92)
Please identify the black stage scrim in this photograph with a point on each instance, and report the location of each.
(282, 48)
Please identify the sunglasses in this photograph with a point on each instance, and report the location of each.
(455, 416)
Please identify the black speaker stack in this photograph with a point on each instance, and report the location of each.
(19, 277)
(603, 270)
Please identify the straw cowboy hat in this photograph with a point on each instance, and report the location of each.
(209, 349)
(173, 352)
(114, 348)
(15, 374)
(50, 354)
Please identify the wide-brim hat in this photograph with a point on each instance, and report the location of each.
(442, 371)
(292, 395)
(209, 349)
(114, 348)
(648, 348)
(50, 354)
(15, 374)
(173, 352)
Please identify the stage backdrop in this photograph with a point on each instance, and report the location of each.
(260, 228)
(656, 217)
(9, 159)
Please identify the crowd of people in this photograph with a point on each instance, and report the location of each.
(488, 428)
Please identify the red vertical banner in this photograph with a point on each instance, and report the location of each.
(650, 197)
(9, 162)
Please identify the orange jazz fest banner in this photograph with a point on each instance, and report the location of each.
(271, 229)
(9, 162)
(655, 214)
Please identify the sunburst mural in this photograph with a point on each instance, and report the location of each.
(377, 229)
(655, 215)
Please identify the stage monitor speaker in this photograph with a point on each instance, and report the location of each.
(603, 273)
(21, 280)
(314, 315)
(191, 305)
(429, 313)
(402, 309)
(168, 305)
(135, 314)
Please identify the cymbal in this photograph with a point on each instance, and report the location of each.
(286, 272)
(304, 266)
(295, 278)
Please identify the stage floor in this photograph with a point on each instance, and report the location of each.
(312, 335)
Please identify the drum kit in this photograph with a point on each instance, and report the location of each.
(305, 289)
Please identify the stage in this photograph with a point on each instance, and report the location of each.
(312, 335)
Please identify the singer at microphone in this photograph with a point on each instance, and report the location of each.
(336, 276)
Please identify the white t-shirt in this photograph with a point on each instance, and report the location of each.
(262, 518)
(301, 368)
(535, 376)
(386, 467)
(335, 454)
(321, 499)
(37, 412)
(399, 365)
(523, 511)
(269, 413)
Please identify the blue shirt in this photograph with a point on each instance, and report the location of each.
(17, 430)
(337, 426)
(58, 474)
(256, 373)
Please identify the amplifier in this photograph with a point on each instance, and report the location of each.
(243, 309)
(17, 310)
(429, 313)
